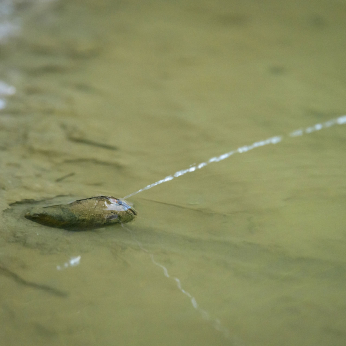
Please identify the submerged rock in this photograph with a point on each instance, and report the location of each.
(84, 214)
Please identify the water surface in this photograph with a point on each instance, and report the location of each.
(112, 96)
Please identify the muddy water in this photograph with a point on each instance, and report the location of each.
(104, 98)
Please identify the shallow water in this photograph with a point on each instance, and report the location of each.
(113, 96)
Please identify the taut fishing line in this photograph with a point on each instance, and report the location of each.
(272, 140)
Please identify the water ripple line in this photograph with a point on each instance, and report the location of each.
(246, 148)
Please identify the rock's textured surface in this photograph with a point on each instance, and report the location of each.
(83, 214)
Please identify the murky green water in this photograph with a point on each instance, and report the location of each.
(112, 96)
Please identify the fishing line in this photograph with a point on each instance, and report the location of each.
(216, 323)
(272, 140)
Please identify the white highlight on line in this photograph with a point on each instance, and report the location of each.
(272, 140)
(215, 322)
(317, 127)
(74, 261)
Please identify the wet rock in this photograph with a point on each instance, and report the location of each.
(89, 213)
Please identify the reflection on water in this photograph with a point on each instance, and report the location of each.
(216, 323)
(104, 98)
(74, 261)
